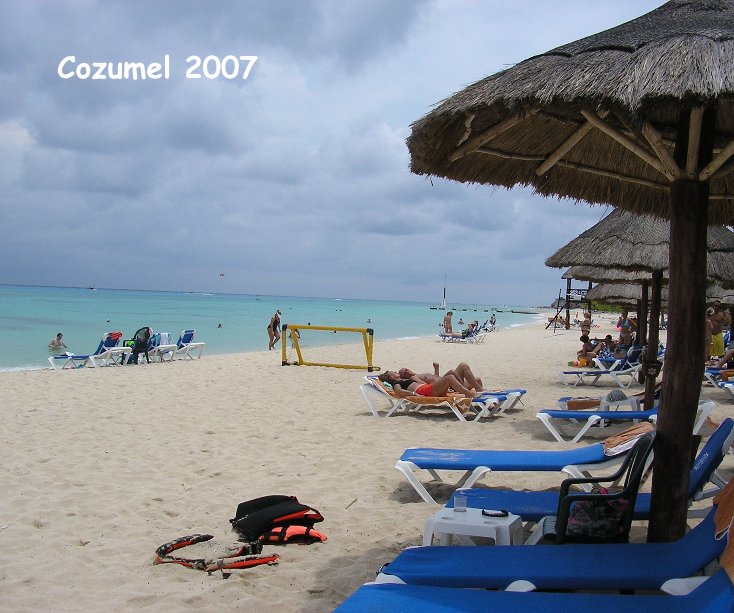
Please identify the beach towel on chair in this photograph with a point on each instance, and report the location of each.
(270, 516)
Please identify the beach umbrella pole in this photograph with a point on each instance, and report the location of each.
(650, 363)
(684, 352)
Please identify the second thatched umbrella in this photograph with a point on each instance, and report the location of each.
(640, 245)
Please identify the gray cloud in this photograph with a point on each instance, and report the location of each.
(294, 181)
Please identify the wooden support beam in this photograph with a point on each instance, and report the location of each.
(717, 162)
(564, 148)
(612, 175)
(628, 143)
(467, 128)
(510, 156)
(477, 141)
(725, 169)
(575, 166)
(655, 139)
(694, 141)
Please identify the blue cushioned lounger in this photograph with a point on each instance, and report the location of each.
(714, 595)
(475, 463)
(628, 566)
(591, 417)
(533, 506)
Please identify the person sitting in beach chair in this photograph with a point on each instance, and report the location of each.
(462, 372)
(439, 387)
(589, 350)
(471, 330)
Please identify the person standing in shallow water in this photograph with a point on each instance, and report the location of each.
(274, 329)
(55, 344)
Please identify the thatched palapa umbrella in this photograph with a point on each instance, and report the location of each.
(640, 116)
(639, 243)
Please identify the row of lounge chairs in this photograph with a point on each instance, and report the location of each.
(495, 402)
(109, 352)
(460, 578)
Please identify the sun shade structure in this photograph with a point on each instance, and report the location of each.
(620, 294)
(597, 119)
(639, 243)
(640, 116)
(624, 247)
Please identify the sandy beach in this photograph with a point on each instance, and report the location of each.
(101, 466)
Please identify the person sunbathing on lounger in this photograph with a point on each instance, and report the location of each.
(468, 332)
(462, 372)
(439, 387)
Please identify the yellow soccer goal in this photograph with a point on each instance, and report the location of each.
(327, 346)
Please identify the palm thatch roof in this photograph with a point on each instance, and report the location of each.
(596, 119)
(620, 294)
(716, 292)
(631, 242)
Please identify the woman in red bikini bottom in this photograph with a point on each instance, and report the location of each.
(439, 387)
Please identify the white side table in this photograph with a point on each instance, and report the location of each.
(447, 522)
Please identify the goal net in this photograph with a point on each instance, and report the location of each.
(327, 346)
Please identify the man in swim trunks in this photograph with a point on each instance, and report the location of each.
(462, 372)
(439, 387)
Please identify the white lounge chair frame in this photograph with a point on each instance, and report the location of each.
(578, 377)
(482, 407)
(704, 410)
(469, 478)
(113, 356)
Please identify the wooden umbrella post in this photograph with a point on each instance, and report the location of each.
(651, 365)
(689, 205)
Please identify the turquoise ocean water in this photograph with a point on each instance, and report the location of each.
(31, 316)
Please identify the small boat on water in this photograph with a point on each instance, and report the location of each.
(442, 306)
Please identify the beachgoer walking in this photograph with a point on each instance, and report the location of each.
(447, 327)
(56, 343)
(274, 329)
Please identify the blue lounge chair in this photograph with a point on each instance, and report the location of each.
(161, 348)
(107, 353)
(581, 377)
(626, 566)
(476, 463)
(185, 346)
(591, 417)
(533, 506)
(714, 595)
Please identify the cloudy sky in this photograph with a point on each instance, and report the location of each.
(293, 181)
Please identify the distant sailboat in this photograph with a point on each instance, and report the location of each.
(442, 306)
